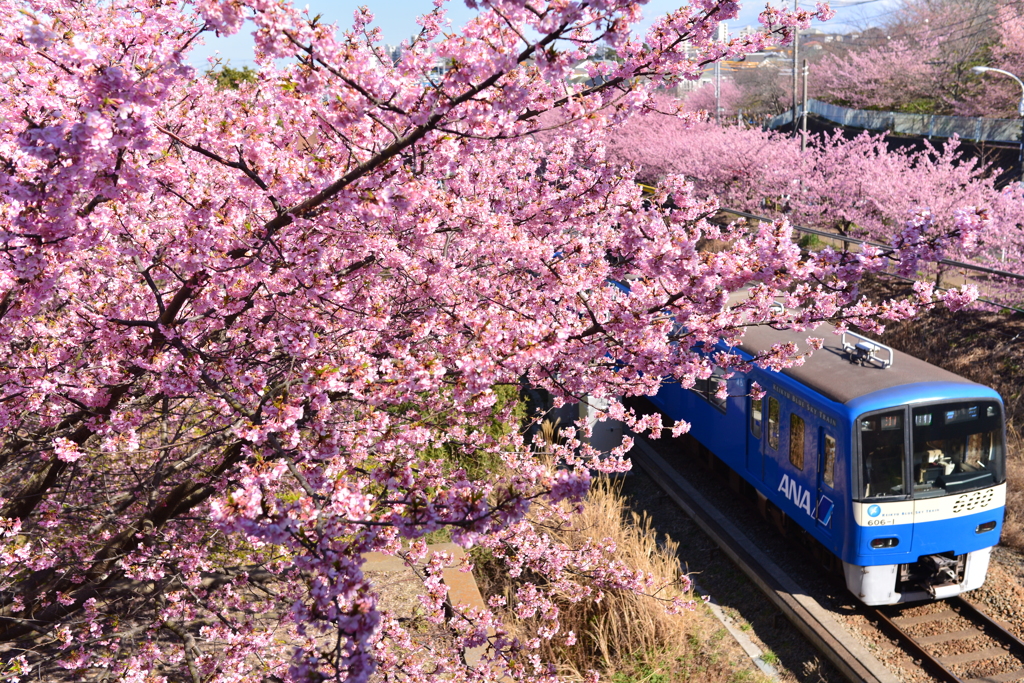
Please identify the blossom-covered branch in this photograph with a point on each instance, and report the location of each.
(251, 335)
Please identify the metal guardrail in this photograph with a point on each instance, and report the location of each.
(930, 125)
(884, 247)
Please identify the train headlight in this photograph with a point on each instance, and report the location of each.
(987, 526)
(885, 542)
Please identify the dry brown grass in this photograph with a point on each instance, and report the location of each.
(631, 638)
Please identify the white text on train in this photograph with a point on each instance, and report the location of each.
(796, 493)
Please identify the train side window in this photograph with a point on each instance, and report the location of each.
(716, 382)
(708, 389)
(883, 456)
(755, 417)
(773, 423)
(828, 470)
(796, 441)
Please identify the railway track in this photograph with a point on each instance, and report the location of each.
(820, 628)
(955, 641)
(947, 640)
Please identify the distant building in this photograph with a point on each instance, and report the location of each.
(581, 73)
(394, 52)
(749, 31)
(766, 58)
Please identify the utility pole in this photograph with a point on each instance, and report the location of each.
(803, 117)
(796, 73)
(718, 93)
(722, 35)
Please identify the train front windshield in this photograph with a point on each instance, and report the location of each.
(955, 447)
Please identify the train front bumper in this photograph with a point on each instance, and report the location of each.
(885, 584)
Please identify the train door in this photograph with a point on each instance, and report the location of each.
(763, 434)
(798, 466)
(826, 499)
(756, 437)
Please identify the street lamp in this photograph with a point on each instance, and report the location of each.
(1020, 112)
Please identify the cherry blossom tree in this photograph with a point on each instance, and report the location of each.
(862, 187)
(856, 187)
(898, 75)
(999, 96)
(703, 98)
(920, 61)
(252, 334)
(739, 166)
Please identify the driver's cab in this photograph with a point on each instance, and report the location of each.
(954, 447)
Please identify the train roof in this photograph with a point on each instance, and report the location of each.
(834, 374)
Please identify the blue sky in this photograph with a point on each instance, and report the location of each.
(397, 19)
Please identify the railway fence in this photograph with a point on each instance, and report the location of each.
(929, 125)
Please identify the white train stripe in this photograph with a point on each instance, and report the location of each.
(929, 509)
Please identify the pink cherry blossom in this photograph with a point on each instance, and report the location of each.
(253, 335)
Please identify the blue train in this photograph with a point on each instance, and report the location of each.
(895, 467)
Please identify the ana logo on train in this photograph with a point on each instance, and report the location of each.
(796, 493)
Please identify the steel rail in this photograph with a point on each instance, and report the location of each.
(990, 622)
(928, 662)
(983, 625)
(852, 660)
